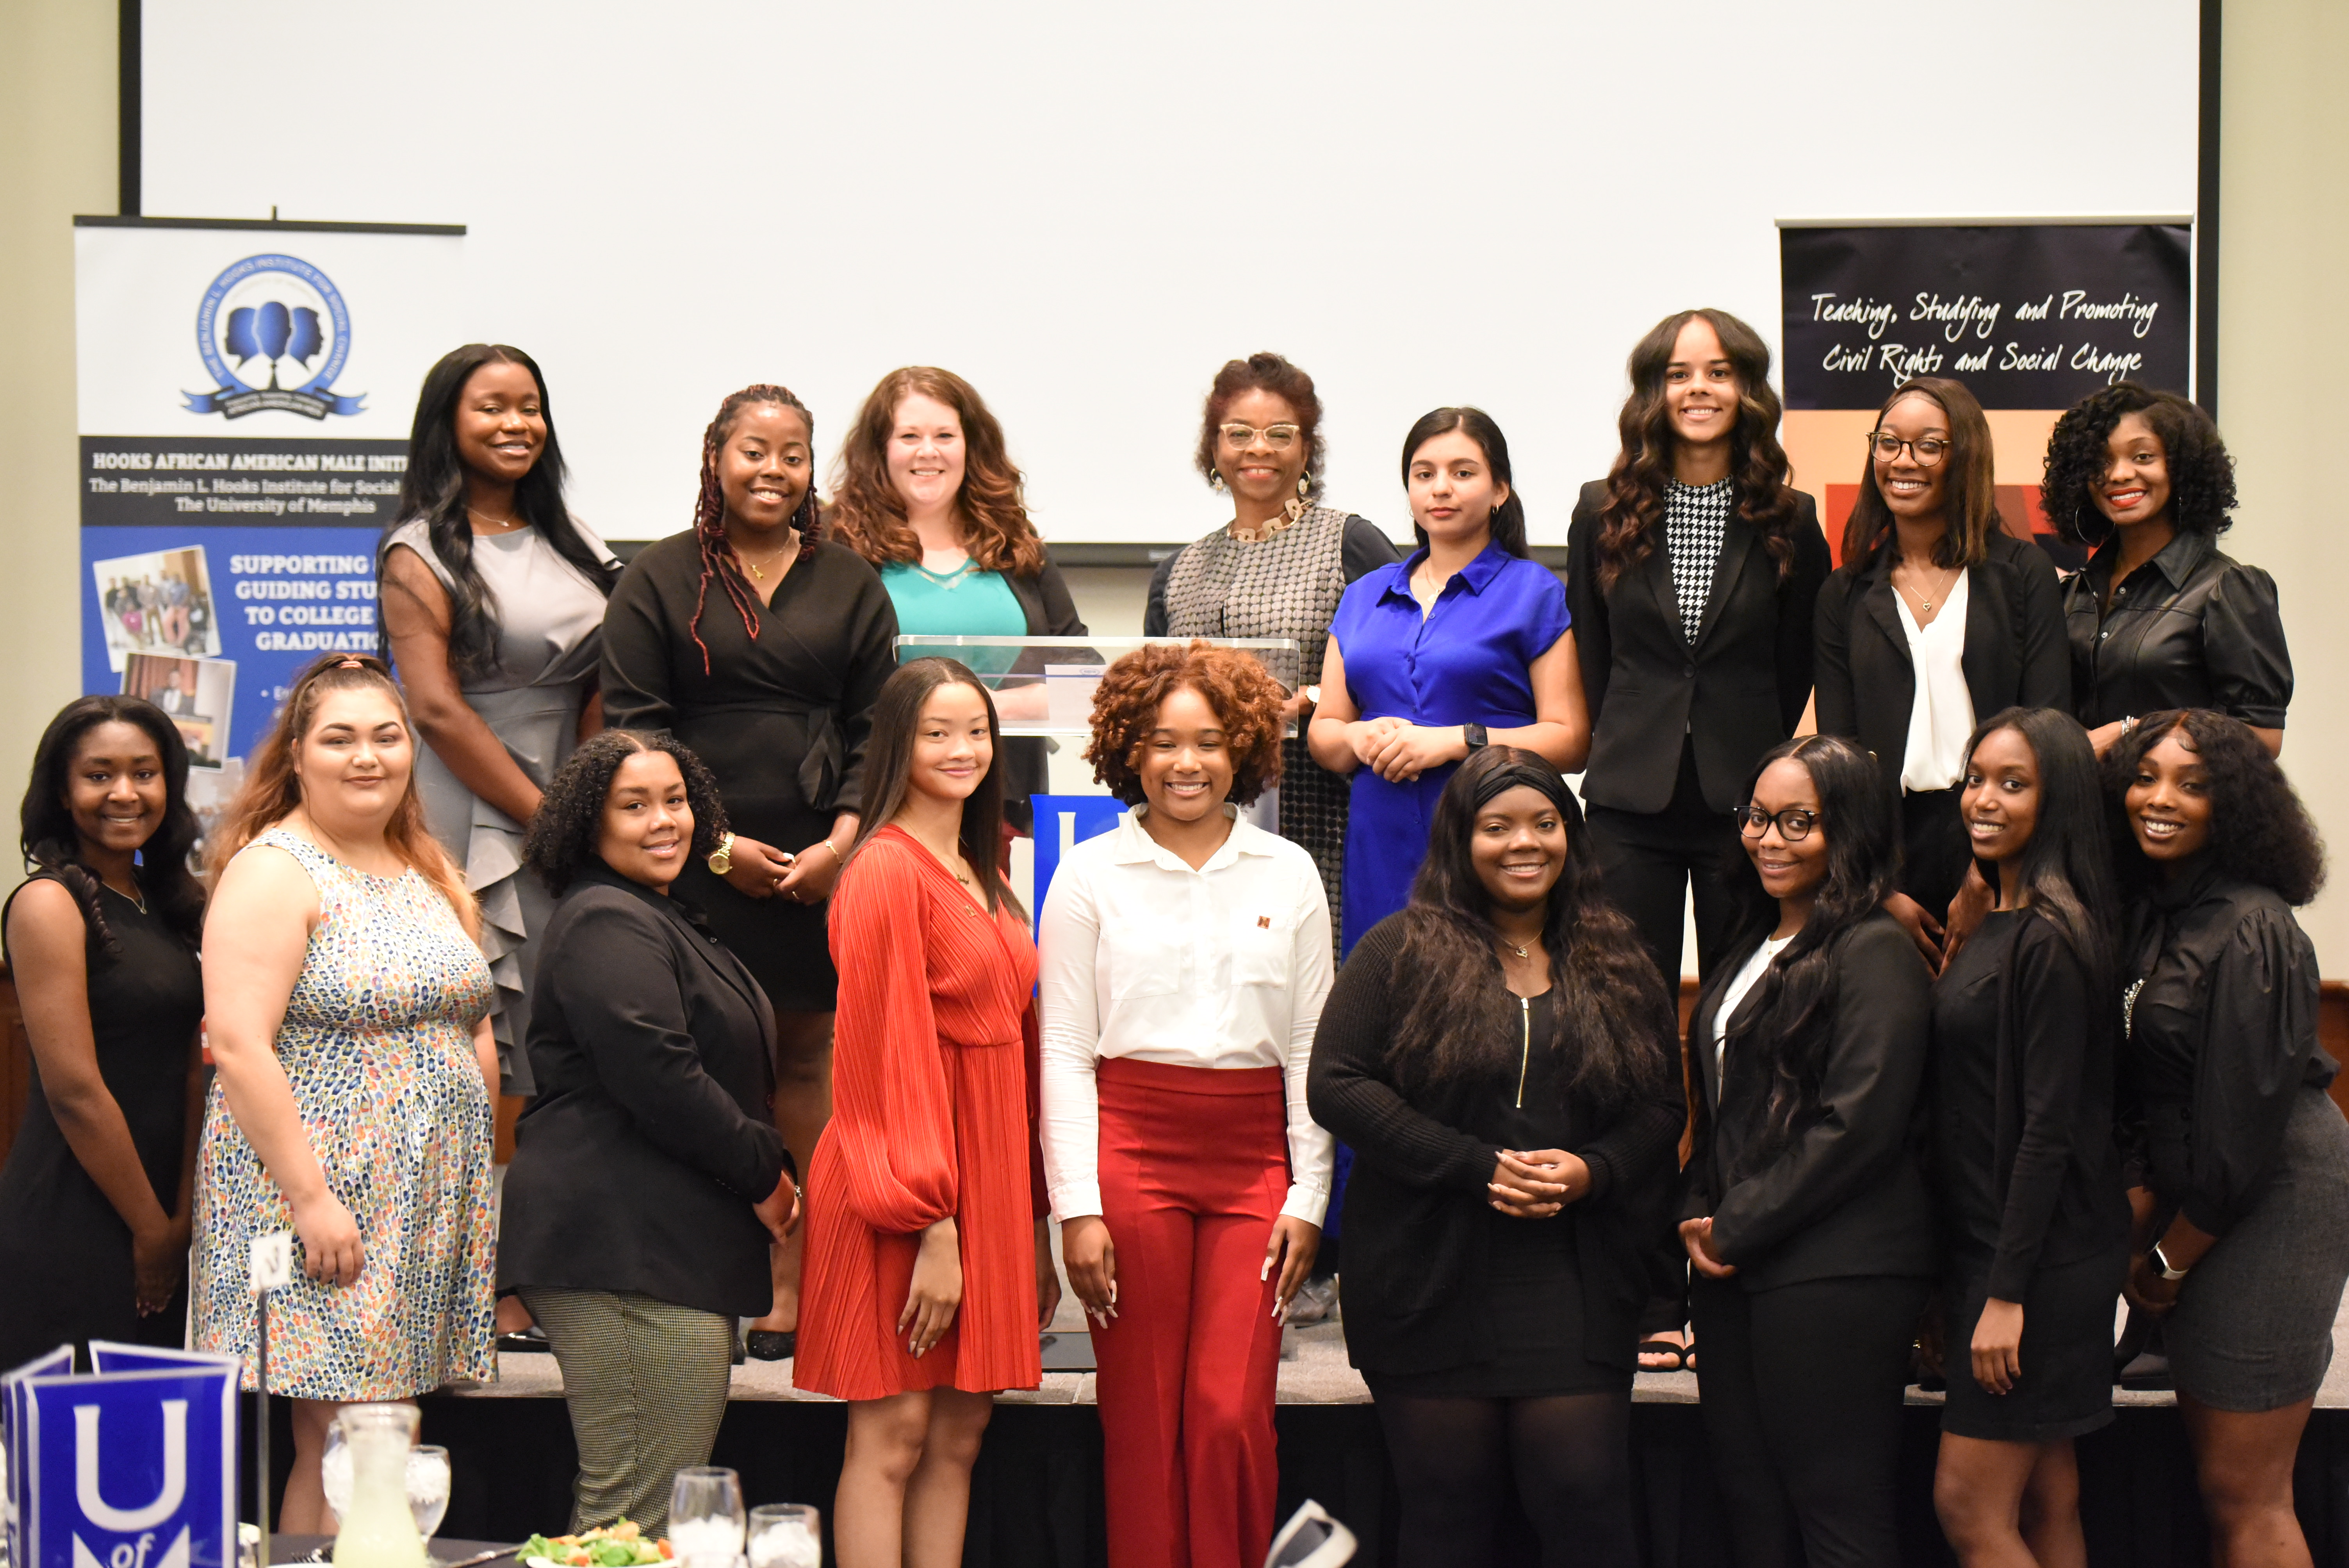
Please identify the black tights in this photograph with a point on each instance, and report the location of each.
(1571, 1456)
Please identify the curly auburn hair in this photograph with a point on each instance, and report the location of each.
(1635, 483)
(1264, 373)
(717, 557)
(868, 515)
(560, 841)
(2259, 830)
(1125, 710)
(2201, 474)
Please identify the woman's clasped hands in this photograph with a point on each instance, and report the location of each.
(1536, 1184)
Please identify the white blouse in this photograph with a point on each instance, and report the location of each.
(1142, 956)
(1734, 993)
(1943, 715)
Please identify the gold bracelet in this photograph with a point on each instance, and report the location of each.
(836, 855)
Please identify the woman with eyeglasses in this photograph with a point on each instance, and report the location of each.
(1804, 1212)
(1277, 570)
(1936, 617)
(2161, 617)
(2238, 1163)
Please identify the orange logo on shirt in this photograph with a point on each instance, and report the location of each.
(1263, 923)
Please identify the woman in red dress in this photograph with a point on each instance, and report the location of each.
(928, 1274)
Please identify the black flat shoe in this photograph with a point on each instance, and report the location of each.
(767, 1345)
(526, 1341)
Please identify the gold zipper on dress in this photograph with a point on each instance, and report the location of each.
(1525, 1014)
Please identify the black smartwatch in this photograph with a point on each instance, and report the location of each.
(1474, 735)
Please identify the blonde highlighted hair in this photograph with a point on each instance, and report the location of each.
(272, 791)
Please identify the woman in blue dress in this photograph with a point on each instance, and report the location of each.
(1464, 644)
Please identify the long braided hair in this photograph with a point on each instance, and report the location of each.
(717, 558)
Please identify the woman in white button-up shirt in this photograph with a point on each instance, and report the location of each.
(1185, 957)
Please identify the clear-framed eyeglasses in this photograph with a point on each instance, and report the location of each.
(1279, 437)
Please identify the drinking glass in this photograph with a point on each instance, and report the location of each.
(334, 1470)
(705, 1516)
(786, 1535)
(428, 1487)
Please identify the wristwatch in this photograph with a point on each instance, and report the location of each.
(721, 859)
(1475, 736)
(1312, 695)
(2162, 1263)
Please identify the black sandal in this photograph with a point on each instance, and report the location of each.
(1671, 1347)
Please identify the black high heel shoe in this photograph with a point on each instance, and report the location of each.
(771, 1345)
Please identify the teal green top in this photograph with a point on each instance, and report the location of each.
(964, 602)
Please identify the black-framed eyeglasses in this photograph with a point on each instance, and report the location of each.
(1279, 437)
(1794, 823)
(1928, 450)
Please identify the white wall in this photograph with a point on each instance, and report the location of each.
(1087, 208)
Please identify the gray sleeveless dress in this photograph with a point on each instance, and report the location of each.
(1288, 585)
(550, 621)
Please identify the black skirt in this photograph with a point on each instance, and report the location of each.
(2066, 1387)
(1540, 1328)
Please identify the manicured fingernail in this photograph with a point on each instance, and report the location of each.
(1265, 1272)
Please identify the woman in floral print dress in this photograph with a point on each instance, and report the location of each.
(347, 1009)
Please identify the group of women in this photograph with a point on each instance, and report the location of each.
(2002, 1007)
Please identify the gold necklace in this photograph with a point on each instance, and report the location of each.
(1927, 599)
(502, 524)
(138, 901)
(790, 546)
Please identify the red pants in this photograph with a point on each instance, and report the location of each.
(1194, 1169)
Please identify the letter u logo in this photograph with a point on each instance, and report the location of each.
(128, 1521)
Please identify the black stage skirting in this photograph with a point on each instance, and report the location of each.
(1036, 1496)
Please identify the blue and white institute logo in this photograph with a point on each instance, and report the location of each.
(277, 317)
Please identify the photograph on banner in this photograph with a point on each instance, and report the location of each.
(2030, 316)
(244, 392)
(197, 692)
(157, 602)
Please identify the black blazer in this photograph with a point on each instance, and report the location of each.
(1416, 1285)
(2015, 656)
(1735, 690)
(636, 1167)
(1847, 1195)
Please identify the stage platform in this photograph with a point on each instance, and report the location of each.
(1036, 1499)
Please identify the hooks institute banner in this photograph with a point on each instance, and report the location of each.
(2031, 317)
(244, 396)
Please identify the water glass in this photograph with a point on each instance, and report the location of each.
(428, 1487)
(705, 1516)
(335, 1472)
(786, 1535)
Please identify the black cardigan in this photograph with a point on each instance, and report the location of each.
(2015, 656)
(2053, 1187)
(636, 1167)
(1414, 1281)
(1847, 1194)
(1734, 690)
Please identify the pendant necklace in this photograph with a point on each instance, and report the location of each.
(773, 556)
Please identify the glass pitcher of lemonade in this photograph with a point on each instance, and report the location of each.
(378, 1532)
